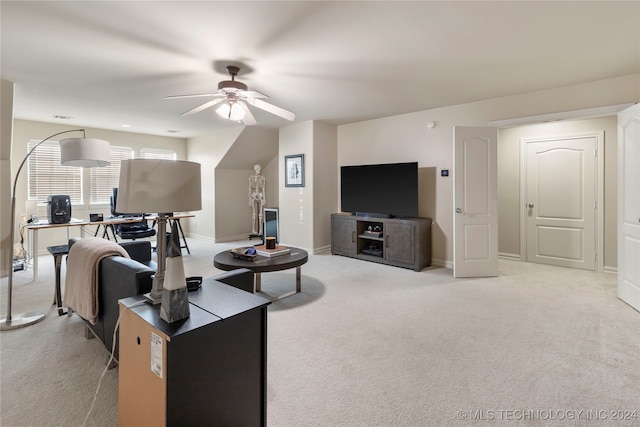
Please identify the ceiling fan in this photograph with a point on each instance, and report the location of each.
(234, 97)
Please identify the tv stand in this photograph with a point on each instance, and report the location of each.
(372, 215)
(401, 242)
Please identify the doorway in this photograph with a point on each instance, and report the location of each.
(512, 203)
(560, 189)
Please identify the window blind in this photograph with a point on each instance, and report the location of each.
(103, 180)
(156, 153)
(48, 177)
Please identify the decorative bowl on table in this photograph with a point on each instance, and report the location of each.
(245, 254)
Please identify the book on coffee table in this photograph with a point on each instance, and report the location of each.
(277, 251)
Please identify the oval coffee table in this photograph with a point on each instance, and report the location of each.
(261, 264)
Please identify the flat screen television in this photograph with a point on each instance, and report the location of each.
(389, 190)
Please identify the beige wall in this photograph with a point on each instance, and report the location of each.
(6, 132)
(233, 211)
(304, 212)
(228, 157)
(325, 183)
(407, 138)
(27, 130)
(271, 175)
(208, 150)
(296, 203)
(509, 179)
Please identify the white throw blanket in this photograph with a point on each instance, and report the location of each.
(81, 283)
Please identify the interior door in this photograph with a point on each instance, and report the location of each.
(475, 228)
(629, 206)
(560, 201)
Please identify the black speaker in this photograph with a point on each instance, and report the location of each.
(59, 209)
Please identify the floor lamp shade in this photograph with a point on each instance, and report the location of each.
(85, 152)
(160, 186)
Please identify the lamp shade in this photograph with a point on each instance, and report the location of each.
(159, 186)
(231, 110)
(85, 152)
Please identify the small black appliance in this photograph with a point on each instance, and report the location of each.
(59, 209)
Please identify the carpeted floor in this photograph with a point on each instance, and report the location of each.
(370, 345)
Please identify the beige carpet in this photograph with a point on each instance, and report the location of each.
(371, 345)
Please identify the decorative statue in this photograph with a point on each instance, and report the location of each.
(257, 199)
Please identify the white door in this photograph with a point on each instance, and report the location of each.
(629, 206)
(561, 201)
(475, 202)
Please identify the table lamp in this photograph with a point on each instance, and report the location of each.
(162, 187)
(81, 152)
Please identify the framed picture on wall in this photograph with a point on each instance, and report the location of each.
(294, 170)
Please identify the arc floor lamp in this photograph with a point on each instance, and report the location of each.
(80, 152)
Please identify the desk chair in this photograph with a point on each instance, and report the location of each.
(130, 230)
(135, 230)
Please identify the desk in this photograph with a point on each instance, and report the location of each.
(32, 242)
(34, 228)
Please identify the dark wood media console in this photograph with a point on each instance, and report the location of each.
(401, 242)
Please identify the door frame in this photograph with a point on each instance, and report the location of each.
(599, 221)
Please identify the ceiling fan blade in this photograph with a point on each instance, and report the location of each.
(248, 118)
(251, 94)
(203, 106)
(272, 109)
(191, 96)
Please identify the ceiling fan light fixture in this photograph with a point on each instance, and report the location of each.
(231, 110)
(232, 99)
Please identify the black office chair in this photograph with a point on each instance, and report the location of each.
(135, 230)
(130, 230)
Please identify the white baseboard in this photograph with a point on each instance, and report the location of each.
(199, 237)
(237, 238)
(441, 263)
(322, 250)
(505, 255)
(612, 270)
(226, 239)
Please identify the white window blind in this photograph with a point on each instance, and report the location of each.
(103, 180)
(48, 177)
(156, 153)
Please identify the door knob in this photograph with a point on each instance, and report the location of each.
(458, 210)
(530, 205)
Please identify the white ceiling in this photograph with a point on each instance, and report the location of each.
(111, 63)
